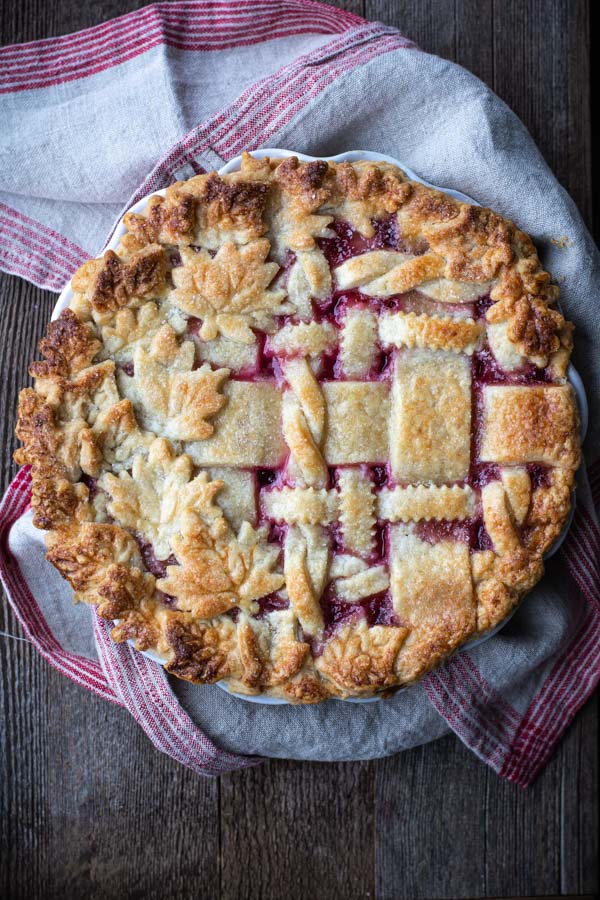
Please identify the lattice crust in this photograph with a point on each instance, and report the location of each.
(431, 417)
(307, 431)
(435, 332)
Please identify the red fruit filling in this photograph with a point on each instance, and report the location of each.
(348, 242)
(277, 533)
(270, 603)
(539, 474)
(91, 484)
(481, 306)
(157, 567)
(377, 610)
(433, 531)
(487, 370)
(265, 477)
(482, 474)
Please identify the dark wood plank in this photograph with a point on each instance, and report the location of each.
(541, 69)
(523, 852)
(92, 810)
(298, 830)
(36, 19)
(592, 63)
(430, 823)
(355, 6)
(579, 803)
(430, 23)
(475, 45)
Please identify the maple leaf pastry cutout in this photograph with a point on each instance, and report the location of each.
(170, 396)
(230, 292)
(160, 490)
(219, 571)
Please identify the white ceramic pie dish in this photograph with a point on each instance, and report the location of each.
(350, 156)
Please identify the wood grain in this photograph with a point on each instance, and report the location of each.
(88, 809)
(290, 830)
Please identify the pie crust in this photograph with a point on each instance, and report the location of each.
(307, 431)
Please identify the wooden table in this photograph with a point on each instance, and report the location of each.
(91, 810)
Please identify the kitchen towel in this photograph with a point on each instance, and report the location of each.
(94, 121)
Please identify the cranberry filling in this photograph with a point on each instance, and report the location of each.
(336, 612)
(433, 531)
(157, 567)
(265, 360)
(377, 610)
(539, 474)
(194, 325)
(482, 540)
(290, 259)
(175, 259)
(277, 533)
(383, 366)
(387, 236)
(482, 474)
(379, 475)
(91, 484)
(266, 368)
(329, 369)
(265, 477)
(482, 305)
(337, 540)
(333, 309)
(471, 532)
(270, 603)
(348, 242)
(486, 370)
(127, 368)
(233, 613)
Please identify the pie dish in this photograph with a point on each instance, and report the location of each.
(308, 431)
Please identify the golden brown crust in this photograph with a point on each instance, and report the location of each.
(362, 660)
(233, 203)
(319, 530)
(200, 652)
(110, 282)
(69, 347)
(531, 424)
(166, 221)
(230, 291)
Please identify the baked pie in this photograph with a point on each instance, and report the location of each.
(307, 431)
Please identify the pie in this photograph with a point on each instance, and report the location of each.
(307, 431)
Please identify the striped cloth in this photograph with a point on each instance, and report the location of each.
(94, 121)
